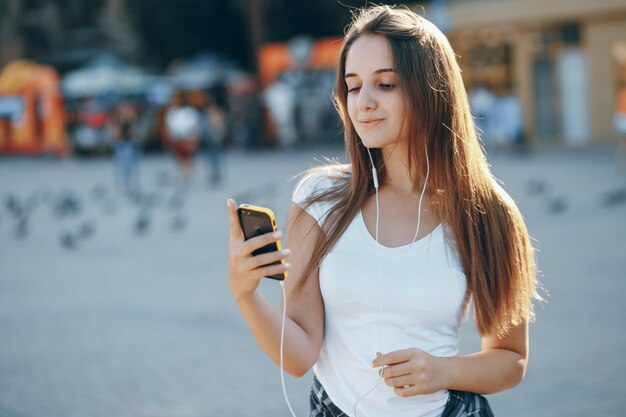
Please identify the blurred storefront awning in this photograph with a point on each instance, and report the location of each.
(201, 72)
(475, 14)
(105, 74)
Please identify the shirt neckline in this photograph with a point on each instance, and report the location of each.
(418, 245)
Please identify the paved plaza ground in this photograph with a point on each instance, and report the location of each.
(111, 307)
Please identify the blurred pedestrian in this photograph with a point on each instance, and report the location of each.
(245, 117)
(281, 100)
(481, 103)
(92, 134)
(212, 134)
(126, 150)
(182, 127)
(620, 126)
(507, 120)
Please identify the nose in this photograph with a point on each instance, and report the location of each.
(366, 100)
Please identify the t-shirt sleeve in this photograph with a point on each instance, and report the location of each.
(314, 183)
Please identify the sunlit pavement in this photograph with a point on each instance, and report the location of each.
(111, 306)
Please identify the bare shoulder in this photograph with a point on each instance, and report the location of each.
(332, 172)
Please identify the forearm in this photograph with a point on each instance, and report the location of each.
(485, 372)
(264, 321)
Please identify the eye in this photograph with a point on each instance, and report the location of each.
(357, 88)
(387, 86)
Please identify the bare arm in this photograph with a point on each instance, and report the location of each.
(499, 365)
(305, 311)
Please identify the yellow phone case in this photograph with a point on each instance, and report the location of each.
(272, 217)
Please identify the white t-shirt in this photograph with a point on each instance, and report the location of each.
(422, 290)
(182, 123)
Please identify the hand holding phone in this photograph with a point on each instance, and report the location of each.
(253, 254)
(257, 221)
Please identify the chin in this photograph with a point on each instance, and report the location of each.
(375, 143)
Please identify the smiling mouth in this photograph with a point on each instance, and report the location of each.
(367, 123)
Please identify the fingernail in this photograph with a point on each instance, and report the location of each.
(287, 265)
(277, 234)
(286, 252)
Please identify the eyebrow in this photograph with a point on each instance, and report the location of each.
(379, 71)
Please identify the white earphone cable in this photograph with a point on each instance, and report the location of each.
(419, 206)
(380, 288)
(282, 348)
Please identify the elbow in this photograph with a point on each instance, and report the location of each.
(299, 368)
(297, 372)
(304, 360)
(513, 376)
(300, 359)
(521, 369)
(518, 373)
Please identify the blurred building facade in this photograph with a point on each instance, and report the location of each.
(564, 59)
(65, 32)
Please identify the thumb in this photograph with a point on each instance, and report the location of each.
(236, 234)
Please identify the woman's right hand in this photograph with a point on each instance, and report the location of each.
(244, 269)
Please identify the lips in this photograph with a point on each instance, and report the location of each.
(370, 122)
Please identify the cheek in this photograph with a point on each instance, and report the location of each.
(395, 103)
(397, 108)
(351, 107)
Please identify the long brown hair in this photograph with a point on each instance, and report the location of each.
(490, 235)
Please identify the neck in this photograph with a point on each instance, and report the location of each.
(398, 178)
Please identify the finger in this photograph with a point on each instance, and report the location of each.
(399, 381)
(399, 369)
(407, 391)
(391, 358)
(258, 242)
(267, 258)
(266, 271)
(235, 227)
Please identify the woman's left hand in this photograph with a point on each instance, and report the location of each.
(412, 371)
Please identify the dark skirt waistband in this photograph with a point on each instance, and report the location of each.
(460, 404)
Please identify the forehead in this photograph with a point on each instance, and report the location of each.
(367, 54)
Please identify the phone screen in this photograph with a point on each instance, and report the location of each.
(255, 223)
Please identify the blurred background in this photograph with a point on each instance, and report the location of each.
(125, 125)
(557, 67)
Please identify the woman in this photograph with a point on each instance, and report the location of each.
(369, 295)
(619, 121)
(212, 134)
(126, 150)
(182, 130)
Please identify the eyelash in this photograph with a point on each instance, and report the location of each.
(381, 85)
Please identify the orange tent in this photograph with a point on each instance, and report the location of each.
(41, 127)
(274, 58)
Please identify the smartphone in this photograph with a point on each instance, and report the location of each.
(255, 221)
